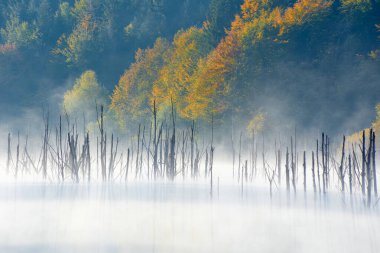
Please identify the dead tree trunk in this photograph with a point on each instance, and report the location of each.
(155, 142)
(17, 154)
(341, 172)
(172, 148)
(148, 151)
(293, 167)
(279, 167)
(363, 163)
(246, 171)
(142, 151)
(192, 149)
(206, 164)
(88, 157)
(350, 173)
(60, 150)
(9, 153)
(323, 164)
(287, 170)
(369, 172)
(103, 145)
(127, 165)
(374, 163)
(45, 148)
(138, 152)
(304, 171)
(212, 156)
(73, 142)
(319, 177)
(239, 158)
(313, 172)
(327, 160)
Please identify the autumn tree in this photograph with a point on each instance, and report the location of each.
(177, 74)
(19, 33)
(131, 97)
(221, 14)
(81, 100)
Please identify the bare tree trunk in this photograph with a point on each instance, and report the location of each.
(192, 150)
(138, 152)
(103, 145)
(323, 164)
(363, 163)
(287, 170)
(319, 177)
(172, 148)
(239, 164)
(60, 151)
(293, 167)
(304, 171)
(246, 170)
(9, 153)
(212, 155)
(350, 173)
(279, 167)
(17, 154)
(127, 165)
(73, 141)
(183, 155)
(88, 157)
(327, 160)
(313, 172)
(341, 173)
(374, 163)
(148, 151)
(142, 152)
(111, 161)
(369, 174)
(155, 142)
(45, 147)
(206, 164)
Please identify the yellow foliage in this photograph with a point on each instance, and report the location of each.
(132, 94)
(302, 10)
(356, 5)
(254, 24)
(357, 136)
(177, 75)
(84, 95)
(256, 124)
(197, 78)
(376, 124)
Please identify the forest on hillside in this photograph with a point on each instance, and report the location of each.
(278, 64)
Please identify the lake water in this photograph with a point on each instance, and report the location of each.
(180, 217)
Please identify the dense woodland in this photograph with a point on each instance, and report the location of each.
(149, 90)
(278, 64)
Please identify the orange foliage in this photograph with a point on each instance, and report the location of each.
(177, 75)
(195, 77)
(131, 95)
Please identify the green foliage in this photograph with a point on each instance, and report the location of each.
(19, 33)
(222, 12)
(236, 57)
(356, 5)
(76, 47)
(256, 124)
(64, 12)
(82, 99)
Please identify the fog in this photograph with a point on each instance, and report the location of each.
(179, 217)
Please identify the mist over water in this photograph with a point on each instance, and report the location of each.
(180, 217)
